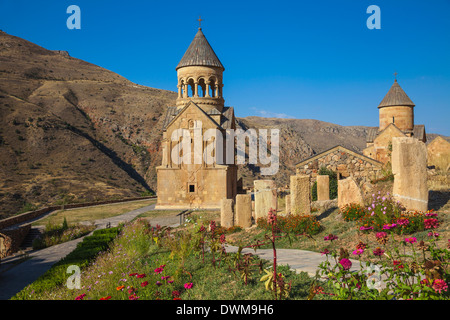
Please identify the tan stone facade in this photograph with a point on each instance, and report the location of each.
(195, 182)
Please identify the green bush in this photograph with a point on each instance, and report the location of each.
(333, 184)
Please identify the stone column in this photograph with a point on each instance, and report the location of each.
(349, 192)
(323, 187)
(207, 90)
(409, 166)
(185, 90)
(265, 197)
(227, 213)
(300, 194)
(179, 90)
(243, 210)
(196, 89)
(288, 203)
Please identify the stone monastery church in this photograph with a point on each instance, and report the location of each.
(200, 106)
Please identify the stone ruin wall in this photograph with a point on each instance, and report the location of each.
(346, 165)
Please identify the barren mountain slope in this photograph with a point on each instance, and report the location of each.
(72, 131)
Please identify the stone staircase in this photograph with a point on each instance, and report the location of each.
(34, 232)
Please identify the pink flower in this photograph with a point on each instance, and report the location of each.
(330, 237)
(358, 252)
(381, 234)
(133, 297)
(81, 296)
(325, 251)
(363, 228)
(271, 217)
(439, 285)
(345, 263)
(433, 234)
(389, 226)
(411, 240)
(431, 223)
(188, 285)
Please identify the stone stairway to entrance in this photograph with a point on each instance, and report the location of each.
(34, 232)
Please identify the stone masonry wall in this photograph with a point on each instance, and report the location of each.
(346, 164)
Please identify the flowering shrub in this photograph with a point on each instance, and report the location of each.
(352, 212)
(54, 235)
(296, 224)
(422, 271)
(386, 214)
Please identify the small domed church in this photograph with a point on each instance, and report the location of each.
(200, 106)
(396, 119)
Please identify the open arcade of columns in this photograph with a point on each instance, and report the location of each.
(409, 165)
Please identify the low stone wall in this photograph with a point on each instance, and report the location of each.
(13, 238)
(12, 233)
(24, 217)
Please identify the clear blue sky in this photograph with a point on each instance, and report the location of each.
(299, 59)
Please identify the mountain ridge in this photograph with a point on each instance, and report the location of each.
(71, 131)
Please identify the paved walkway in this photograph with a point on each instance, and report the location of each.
(18, 276)
(298, 260)
(15, 276)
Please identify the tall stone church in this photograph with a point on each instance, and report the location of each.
(200, 106)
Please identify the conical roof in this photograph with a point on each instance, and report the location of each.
(396, 97)
(199, 53)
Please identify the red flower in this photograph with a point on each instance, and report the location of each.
(81, 296)
(330, 237)
(345, 263)
(398, 264)
(140, 275)
(175, 294)
(145, 283)
(378, 251)
(439, 285)
(133, 297)
(132, 274)
(106, 298)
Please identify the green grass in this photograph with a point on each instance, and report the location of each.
(134, 252)
(74, 216)
(56, 276)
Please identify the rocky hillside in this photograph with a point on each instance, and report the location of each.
(71, 131)
(300, 139)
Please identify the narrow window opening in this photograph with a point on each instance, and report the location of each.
(191, 188)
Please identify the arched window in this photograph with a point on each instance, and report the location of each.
(201, 88)
(191, 85)
(212, 87)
